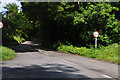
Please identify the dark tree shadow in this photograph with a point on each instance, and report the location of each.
(28, 48)
(25, 48)
(44, 71)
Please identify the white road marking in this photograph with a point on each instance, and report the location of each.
(106, 76)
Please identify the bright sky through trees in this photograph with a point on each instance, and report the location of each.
(4, 2)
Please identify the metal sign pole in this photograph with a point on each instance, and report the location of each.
(95, 42)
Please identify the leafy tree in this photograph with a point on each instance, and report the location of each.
(75, 23)
(16, 25)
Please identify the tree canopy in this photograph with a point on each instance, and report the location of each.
(73, 22)
(16, 25)
(66, 22)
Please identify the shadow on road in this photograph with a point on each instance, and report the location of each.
(44, 71)
(25, 48)
(32, 47)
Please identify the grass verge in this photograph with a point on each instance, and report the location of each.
(108, 53)
(6, 53)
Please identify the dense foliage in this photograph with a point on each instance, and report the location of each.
(75, 23)
(7, 53)
(16, 25)
(108, 53)
(65, 26)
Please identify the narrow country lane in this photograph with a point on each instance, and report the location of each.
(33, 62)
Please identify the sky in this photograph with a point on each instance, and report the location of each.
(4, 2)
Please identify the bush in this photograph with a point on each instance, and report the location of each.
(7, 53)
(108, 53)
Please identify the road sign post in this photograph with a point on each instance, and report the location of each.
(96, 34)
(95, 43)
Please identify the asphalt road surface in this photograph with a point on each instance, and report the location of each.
(33, 62)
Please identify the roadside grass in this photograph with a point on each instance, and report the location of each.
(6, 53)
(108, 53)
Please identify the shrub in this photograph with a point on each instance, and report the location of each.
(7, 53)
(108, 53)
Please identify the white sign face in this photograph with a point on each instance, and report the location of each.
(96, 34)
(1, 24)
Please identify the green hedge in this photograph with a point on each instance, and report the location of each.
(7, 53)
(108, 53)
